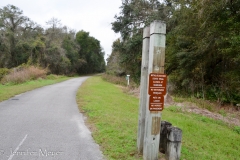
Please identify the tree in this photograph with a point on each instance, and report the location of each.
(12, 26)
(56, 47)
(113, 62)
(91, 53)
(72, 48)
(54, 29)
(202, 44)
(61, 54)
(202, 50)
(134, 16)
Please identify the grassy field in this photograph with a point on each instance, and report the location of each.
(113, 116)
(9, 90)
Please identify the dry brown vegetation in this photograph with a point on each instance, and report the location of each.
(118, 80)
(23, 74)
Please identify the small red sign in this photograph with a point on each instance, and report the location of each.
(157, 84)
(156, 102)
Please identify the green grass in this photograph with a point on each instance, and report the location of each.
(204, 138)
(113, 116)
(9, 90)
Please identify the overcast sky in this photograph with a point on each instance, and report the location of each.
(93, 16)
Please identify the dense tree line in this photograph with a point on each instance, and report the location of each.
(202, 49)
(60, 49)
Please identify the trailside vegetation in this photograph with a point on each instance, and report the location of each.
(202, 45)
(114, 126)
(59, 49)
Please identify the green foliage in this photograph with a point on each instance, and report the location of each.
(131, 56)
(71, 48)
(203, 40)
(51, 76)
(134, 15)
(128, 58)
(236, 129)
(201, 52)
(12, 24)
(113, 65)
(91, 53)
(174, 109)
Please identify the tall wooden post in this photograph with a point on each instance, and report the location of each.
(156, 65)
(143, 89)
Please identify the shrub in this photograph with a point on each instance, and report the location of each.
(52, 76)
(3, 72)
(23, 74)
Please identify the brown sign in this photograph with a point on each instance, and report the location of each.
(157, 84)
(156, 102)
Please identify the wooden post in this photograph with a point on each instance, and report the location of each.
(163, 134)
(156, 65)
(171, 139)
(174, 140)
(143, 89)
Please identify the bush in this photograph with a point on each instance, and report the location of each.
(23, 74)
(3, 72)
(52, 76)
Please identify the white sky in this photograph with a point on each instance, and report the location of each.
(93, 16)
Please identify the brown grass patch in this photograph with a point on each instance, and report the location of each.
(114, 79)
(23, 74)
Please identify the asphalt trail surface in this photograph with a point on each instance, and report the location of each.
(45, 124)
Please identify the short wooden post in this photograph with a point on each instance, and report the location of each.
(174, 138)
(143, 89)
(156, 65)
(163, 134)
